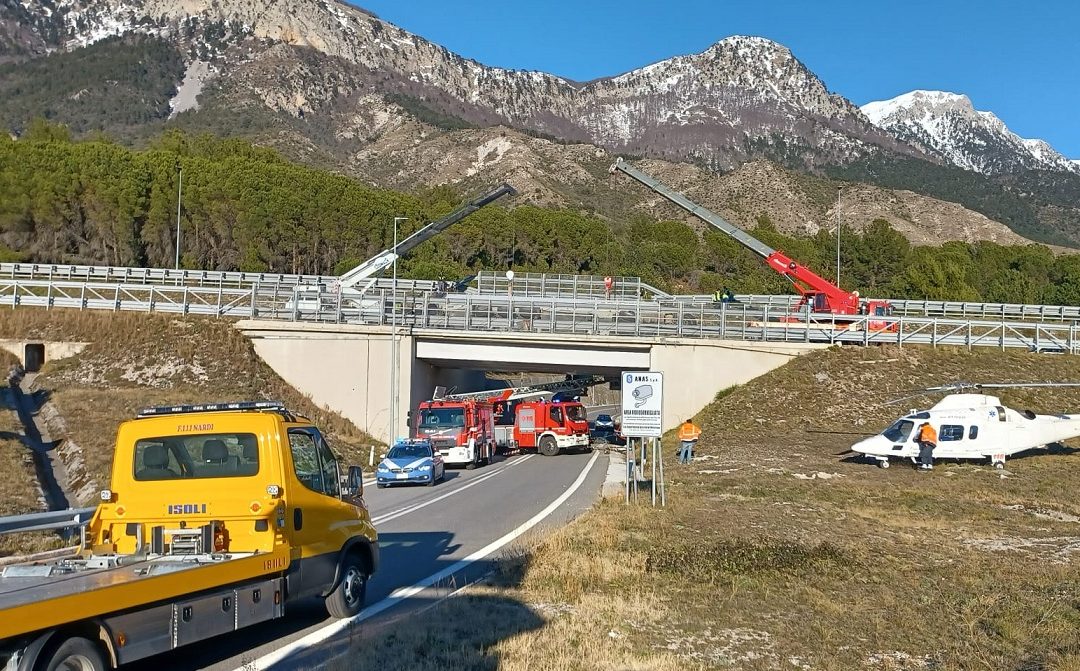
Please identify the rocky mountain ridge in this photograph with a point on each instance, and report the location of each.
(330, 84)
(742, 97)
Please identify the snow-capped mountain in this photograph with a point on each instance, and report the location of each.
(743, 97)
(948, 126)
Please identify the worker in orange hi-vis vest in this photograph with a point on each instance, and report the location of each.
(688, 437)
(927, 441)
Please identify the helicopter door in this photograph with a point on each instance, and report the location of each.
(999, 446)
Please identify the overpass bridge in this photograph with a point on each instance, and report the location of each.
(348, 367)
(338, 349)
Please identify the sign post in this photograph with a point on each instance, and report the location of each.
(643, 418)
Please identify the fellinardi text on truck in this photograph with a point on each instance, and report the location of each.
(217, 517)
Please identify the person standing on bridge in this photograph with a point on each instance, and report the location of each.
(688, 437)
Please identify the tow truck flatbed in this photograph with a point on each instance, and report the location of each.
(51, 600)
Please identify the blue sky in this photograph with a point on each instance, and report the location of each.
(1020, 60)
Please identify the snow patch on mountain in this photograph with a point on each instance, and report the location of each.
(948, 126)
(187, 94)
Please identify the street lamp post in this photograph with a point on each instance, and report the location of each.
(394, 340)
(838, 190)
(179, 196)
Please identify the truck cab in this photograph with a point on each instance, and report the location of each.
(216, 517)
(551, 426)
(462, 431)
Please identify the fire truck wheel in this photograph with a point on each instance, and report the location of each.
(75, 654)
(348, 597)
(548, 446)
(471, 465)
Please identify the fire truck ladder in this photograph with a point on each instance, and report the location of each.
(512, 393)
(385, 258)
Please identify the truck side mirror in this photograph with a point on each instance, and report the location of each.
(408, 419)
(354, 482)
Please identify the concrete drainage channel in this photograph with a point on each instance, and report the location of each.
(615, 481)
(51, 473)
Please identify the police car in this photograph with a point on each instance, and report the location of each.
(410, 461)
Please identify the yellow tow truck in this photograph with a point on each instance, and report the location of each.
(216, 518)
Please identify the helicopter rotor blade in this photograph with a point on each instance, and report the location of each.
(1020, 385)
(954, 387)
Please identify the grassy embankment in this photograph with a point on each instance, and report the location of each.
(135, 360)
(777, 551)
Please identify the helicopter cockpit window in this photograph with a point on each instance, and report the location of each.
(950, 432)
(1001, 413)
(899, 432)
(973, 433)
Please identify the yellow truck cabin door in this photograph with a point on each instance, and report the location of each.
(320, 523)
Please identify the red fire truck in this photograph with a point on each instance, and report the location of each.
(545, 428)
(462, 430)
(550, 426)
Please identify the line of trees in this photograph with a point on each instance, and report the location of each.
(247, 208)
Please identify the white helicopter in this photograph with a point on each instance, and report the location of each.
(972, 426)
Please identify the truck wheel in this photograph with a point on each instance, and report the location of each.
(76, 654)
(348, 597)
(548, 446)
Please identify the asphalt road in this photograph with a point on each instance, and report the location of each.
(422, 531)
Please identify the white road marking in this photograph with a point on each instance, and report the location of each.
(402, 593)
(386, 517)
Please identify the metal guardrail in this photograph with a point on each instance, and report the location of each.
(494, 283)
(556, 315)
(180, 278)
(631, 317)
(921, 308)
(220, 301)
(663, 319)
(57, 519)
(127, 275)
(570, 286)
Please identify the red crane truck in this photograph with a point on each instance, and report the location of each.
(823, 297)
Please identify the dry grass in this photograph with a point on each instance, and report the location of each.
(134, 360)
(752, 567)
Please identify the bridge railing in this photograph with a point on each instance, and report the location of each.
(493, 283)
(158, 276)
(190, 278)
(662, 319)
(219, 301)
(555, 315)
(562, 286)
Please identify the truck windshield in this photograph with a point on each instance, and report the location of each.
(442, 418)
(576, 413)
(208, 455)
(899, 432)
